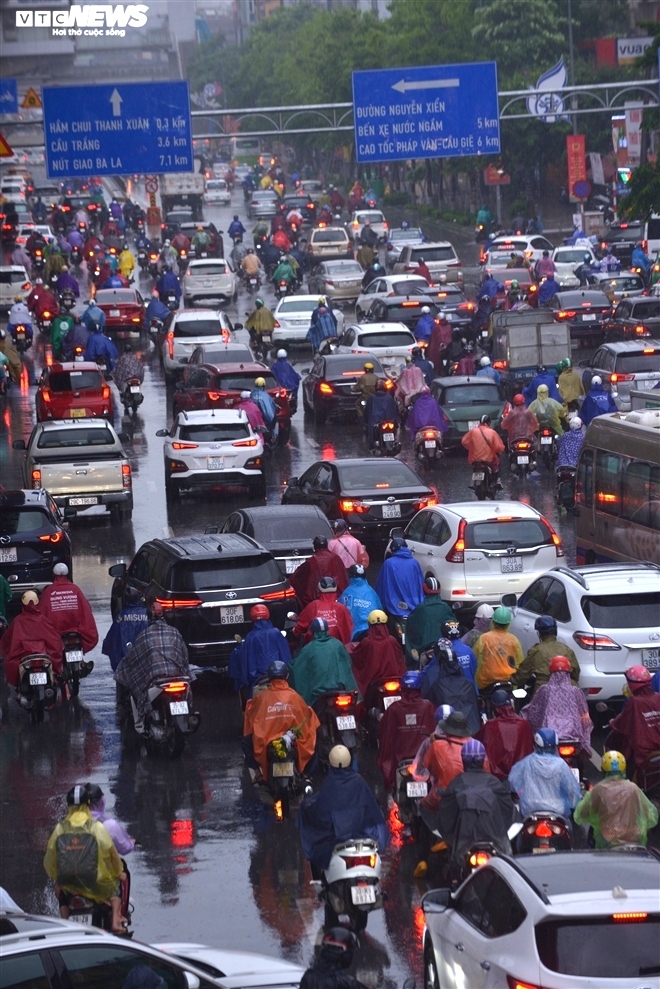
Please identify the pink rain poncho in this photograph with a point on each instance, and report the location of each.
(559, 705)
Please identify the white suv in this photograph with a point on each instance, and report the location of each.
(609, 614)
(185, 330)
(212, 448)
(209, 278)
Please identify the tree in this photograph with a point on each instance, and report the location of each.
(521, 35)
(643, 197)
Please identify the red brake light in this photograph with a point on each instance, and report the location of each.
(353, 861)
(426, 502)
(343, 700)
(387, 425)
(252, 442)
(105, 392)
(500, 365)
(429, 434)
(392, 686)
(46, 314)
(523, 445)
(168, 604)
(215, 396)
(648, 350)
(389, 384)
(126, 478)
(52, 537)
(592, 640)
(182, 834)
(621, 377)
(543, 830)
(567, 750)
(288, 592)
(457, 553)
(630, 918)
(46, 395)
(184, 446)
(170, 344)
(514, 983)
(175, 687)
(346, 505)
(559, 549)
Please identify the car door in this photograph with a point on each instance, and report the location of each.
(310, 383)
(415, 532)
(196, 392)
(528, 609)
(432, 548)
(94, 966)
(141, 571)
(324, 490)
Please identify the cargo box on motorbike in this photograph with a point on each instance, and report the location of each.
(644, 399)
(522, 339)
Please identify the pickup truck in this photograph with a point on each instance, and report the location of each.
(81, 463)
(183, 189)
(522, 339)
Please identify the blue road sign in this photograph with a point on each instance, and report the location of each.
(8, 96)
(432, 111)
(121, 129)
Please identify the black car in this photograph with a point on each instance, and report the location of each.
(288, 531)
(327, 388)
(585, 310)
(304, 204)
(173, 222)
(634, 318)
(33, 538)
(451, 303)
(216, 245)
(207, 586)
(405, 309)
(371, 495)
(622, 237)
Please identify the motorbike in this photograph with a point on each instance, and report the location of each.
(380, 695)
(261, 344)
(647, 777)
(571, 752)
(22, 337)
(44, 322)
(155, 326)
(52, 279)
(284, 780)
(169, 717)
(548, 445)
(78, 354)
(81, 227)
(90, 912)
(335, 709)
(102, 365)
(519, 695)
(183, 260)
(36, 685)
(428, 446)
(171, 301)
(153, 265)
(76, 256)
(484, 483)
(282, 289)
(521, 457)
(565, 492)
(132, 397)
(67, 300)
(38, 260)
(386, 441)
(142, 259)
(350, 887)
(409, 795)
(480, 233)
(545, 832)
(74, 665)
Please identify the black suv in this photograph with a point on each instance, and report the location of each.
(207, 586)
(622, 237)
(404, 309)
(33, 538)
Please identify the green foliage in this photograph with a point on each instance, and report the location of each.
(643, 197)
(520, 35)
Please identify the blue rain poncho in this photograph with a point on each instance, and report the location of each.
(251, 658)
(360, 598)
(399, 584)
(545, 783)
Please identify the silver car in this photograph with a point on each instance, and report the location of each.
(293, 315)
(186, 330)
(625, 365)
(209, 278)
(398, 239)
(339, 281)
(263, 203)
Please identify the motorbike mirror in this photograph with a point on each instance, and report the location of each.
(238, 638)
(409, 984)
(415, 654)
(519, 693)
(509, 600)
(118, 570)
(19, 444)
(183, 360)
(514, 830)
(123, 437)
(162, 432)
(211, 530)
(306, 370)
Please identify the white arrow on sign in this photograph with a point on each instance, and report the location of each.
(116, 101)
(405, 87)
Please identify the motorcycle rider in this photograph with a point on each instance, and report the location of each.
(425, 413)
(54, 264)
(543, 781)
(400, 581)
(252, 411)
(93, 317)
(498, 651)
(451, 630)
(349, 549)
(326, 605)
(323, 664)
(507, 737)
(266, 404)
(423, 271)
(42, 300)
(542, 377)
(424, 327)
(120, 837)
(166, 284)
(128, 366)
(131, 620)
(486, 370)
(425, 366)
(481, 624)
(640, 259)
(484, 445)
(333, 956)
(365, 386)
(636, 730)
(284, 273)
(60, 326)
(179, 242)
(251, 265)
(126, 262)
(285, 374)
(378, 656)
(550, 414)
(374, 271)
(410, 382)
(548, 289)
(585, 269)
(365, 256)
(610, 263)
(322, 563)
(537, 661)
(403, 728)
(598, 401)
(444, 681)
(65, 606)
(361, 599)
(545, 266)
(558, 704)
(168, 258)
(19, 315)
(618, 811)
(156, 309)
(569, 384)
(323, 324)
(520, 423)
(261, 320)
(263, 645)
(29, 633)
(67, 283)
(100, 347)
(380, 407)
(202, 242)
(236, 228)
(426, 618)
(76, 339)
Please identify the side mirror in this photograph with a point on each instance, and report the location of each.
(162, 432)
(180, 385)
(184, 360)
(19, 445)
(509, 600)
(69, 513)
(123, 437)
(238, 326)
(306, 370)
(118, 570)
(396, 533)
(436, 901)
(192, 982)
(293, 482)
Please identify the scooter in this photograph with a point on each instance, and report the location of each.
(153, 265)
(409, 795)
(22, 337)
(548, 445)
(428, 446)
(570, 751)
(282, 289)
(76, 256)
(74, 665)
(545, 832)
(261, 344)
(521, 457)
(171, 301)
(380, 695)
(350, 887)
(94, 914)
(565, 492)
(143, 259)
(484, 483)
(284, 780)
(36, 685)
(335, 709)
(67, 300)
(386, 439)
(132, 397)
(169, 717)
(38, 260)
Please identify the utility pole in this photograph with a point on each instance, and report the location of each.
(572, 62)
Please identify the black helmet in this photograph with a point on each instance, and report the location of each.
(397, 544)
(541, 369)
(450, 630)
(278, 670)
(318, 625)
(484, 421)
(338, 945)
(327, 584)
(236, 216)
(320, 542)
(356, 570)
(545, 625)
(94, 793)
(416, 352)
(127, 348)
(78, 796)
(500, 698)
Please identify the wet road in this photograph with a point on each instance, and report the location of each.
(211, 865)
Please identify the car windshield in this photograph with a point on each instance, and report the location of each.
(433, 253)
(225, 355)
(216, 184)
(570, 257)
(218, 575)
(296, 530)
(297, 305)
(649, 309)
(53, 439)
(344, 268)
(584, 300)
(60, 381)
(449, 297)
(374, 216)
(638, 362)
(606, 948)
(115, 295)
(214, 432)
(499, 260)
(179, 216)
(242, 382)
(392, 339)
(14, 521)
(410, 285)
(413, 233)
(345, 367)
(471, 395)
(328, 236)
(622, 610)
(198, 328)
(377, 476)
(521, 533)
(403, 312)
(206, 270)
(627, 231)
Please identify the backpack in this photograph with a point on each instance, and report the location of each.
(452, 687)
(77, 860)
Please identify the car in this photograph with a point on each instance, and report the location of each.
(547, 920)
(505, 276)
(14, 280)
(207, 585)
(124, 309)
(303, 202)
(465, 399)
(586, 310)
(33, 538)
(389, 342)
(338, 281)
(326, 243)
(72, 202)
(566, 260)
(397, 238)
(622, 237)
(374, 218)
(49, 194)
(217, 353)
(371, 495)
(293, 316)
(173, 220)
(73, 390)
(623, 366)
(212, 449)
(607, 613)
(189, 229)
(405, 309)
(288, 531)
(616, 287)
(451, 303)
(14, 194)
(185, 330)
(209, 278)
(26, 230)
(263, 202)
(634, 318)
(327, 389)
(388, 285)
(440, 258)
(238, 969)
(217, 191)
(312, 187)
(532, 247)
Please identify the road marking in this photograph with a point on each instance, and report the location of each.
(312, 442)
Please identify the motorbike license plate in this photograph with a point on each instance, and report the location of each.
(588, 317)
(346, 723)
(266, 338)
(511, 564)
(388, 436)
(231, 615)
(478, 477)
(417, 789)
(38, 679)
(215, 463)
(134, 389)
(391, 511)
(542, 851)
(429, 444)
(253, 281)
(363, 894)
(651, 658)
(77, 413)
(523, 460)
(8, 555)
(83, 501)
(546, 440)
(283, 769)
(292, 565)
(20, 334)
(388, 701)
(114, 312)
(576, 772)
(81, 918)
(178, 707)
(74, 656)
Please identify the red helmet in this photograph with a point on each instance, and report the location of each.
(518, 399)
(637, 677)
(560, 664)
(258, 611)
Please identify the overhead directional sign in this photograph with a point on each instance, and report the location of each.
(8, 96)
(121, 129)
(431, 111)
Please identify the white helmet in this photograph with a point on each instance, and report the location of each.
(425, 310)
(245, 394)
(60, 570)
(596, 380)
(339, 757)
(485, 361)
(281, 353)
(576, 423)
(484, 611)
(31, 597)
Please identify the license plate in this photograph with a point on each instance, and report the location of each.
(178, 707)
(74, 656)
(546, 440)
(576, 772)
(388, 701)
(523, 460)
(651, 658)
(81, 918)
(511, 564)
(20, 334)
(363, 894)
(472, 423)
(283, 769)
(232, 615)
(38, 679)
(388, 436)
(266, 338)
(417, 789)
(478, 477)
(215, 463)
(429, 444)
(8, 555)
(391, 511)
(253, 281)
(292, 565)
(346, 723)
(114, 312)
(77, 413)
(588, 317)
(83, 501)
(543, 851)
(135, 389)
(208, 283)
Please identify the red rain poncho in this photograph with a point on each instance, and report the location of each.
(376, 657)
(30, 633)
(402, 729)
(305, 580)
(65, 605)
(507, 739)
(636, 731)
(338, 617)
(273, 712)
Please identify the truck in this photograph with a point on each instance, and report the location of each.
(82, 464)
(524, 338)
(641, 399)
(183, 189)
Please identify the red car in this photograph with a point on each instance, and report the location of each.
(219, 386)
(73, 390)
(123, 308)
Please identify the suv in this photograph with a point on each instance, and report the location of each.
(532, 247)
(211, 449)
(207, 586)
(634, 318)
(33, 538)
(324, 243)
(606, 613)
(439, 257)
(622, 237)
(625, 365)
(14, 281)
(376, 221)
(185, 330)
(210, 278)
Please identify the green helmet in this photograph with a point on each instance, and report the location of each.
(567, 363)
(259, 303)
(515, 285)
(501, 616)
(559, 366)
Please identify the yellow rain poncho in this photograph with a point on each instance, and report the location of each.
(69, 856)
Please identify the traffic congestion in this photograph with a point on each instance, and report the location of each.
(329, 568)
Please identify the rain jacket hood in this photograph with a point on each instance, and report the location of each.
(360, 598)
(423, 625)
(507, 739)
(399, 584)
(544, 782)
(402, 729)
(322, 563)
(65, 605)
(286, 375)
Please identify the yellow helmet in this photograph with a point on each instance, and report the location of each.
(377, 617)
(613, 762)
(260, 382)
(30, 597)
(368, 366)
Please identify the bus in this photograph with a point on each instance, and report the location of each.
(245, 150)
(617, 497)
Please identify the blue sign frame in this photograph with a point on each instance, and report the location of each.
(122, 129)
(8, 96)
(430, 111)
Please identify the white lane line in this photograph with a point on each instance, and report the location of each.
(312, 442)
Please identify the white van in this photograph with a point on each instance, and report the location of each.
(652, 235)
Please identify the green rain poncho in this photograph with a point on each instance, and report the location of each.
(323, 664)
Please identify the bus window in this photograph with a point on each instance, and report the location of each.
(608, 483)
(584, 488)
(636, 486)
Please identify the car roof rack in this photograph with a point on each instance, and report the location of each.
(573, 574)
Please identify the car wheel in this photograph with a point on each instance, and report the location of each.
(431, 980)
(172, 490)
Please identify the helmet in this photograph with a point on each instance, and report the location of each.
(321, 300)
(3, 334)
(560, 664)
(155, 611)
(473, 752)
(245, 394)
(380, 385)
(18, 298)
(236, 216)
(575, 423)
(541, 369)
(368, 366)
(567, 363)
(30, 597)
(327, 584)
(637, 677)
(320, 542)
(587, 257)
(408, 359)
(485, 361)
(450, 630)
(431, 585)
(318, 626)
(405, 225)
(376, 267)
(484, 611)
(339, 757)
(416, 352)
(277, 670)
(484, 421)
(502, 616)
(518, 399)
(258, 611)
(260, 382)
(412, 680)
(338, 944)
(500, 698)
(94, 793)
(166, 244)
(545, 625)
(132, 595)
(356, 570)
(377, 617)
(38, 281)
(339, 526)
(281, 354)
(546, 740)
(443, 650)
(514, 284)
(613, 762)
(397, 544)
(426, 311)
(443, 712)
(127, 348)
(259, 303)
(559, 367)
(65, 267)
(420, 261)
(78, 796)
(596, 380)
(60, 570)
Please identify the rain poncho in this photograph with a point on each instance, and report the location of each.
(530, 391)
(65, 605)
(305, 579)
(78, 336)
(128, 366)
(59, 329)
(108, 864)
(570, 385)
(425, 413)
(168, 282)
(253, 413)
(476, 807)
(636, 731)
(424, 327)
(548, 412)
(123, 632)
(261, 646)
(547, 289)
(402, 729)
(618, 811)
(338, 617)
(375, 657)
(93, 317)
(399, 584)
(537, 662)
(520, 424)
(158, 652)
(466, 660)
(273, 712)
(483, 444)
(450, 685)
(100, 347)
(67, 283)
(597, 403)
(30, 633)
(156, 310)
(480, 626)
(443, 761)
(344, 808)
(507, 739)
(349, 550)
(499, 654)
(568, 448)
(323, 326)
(285, 375)
(410, 382)
(360, 598)
(122, 840)
(266, 404)
(423, 625)
(560, 705)
(323, 664)
(544, 783)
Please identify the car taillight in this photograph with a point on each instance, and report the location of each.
(182, 834)
(52, 537)
(105, 392)
(514, 983)
(478, 858)
(636, 917)
(457, 553)
(215, 396)
(325, 388)
(641, 329)
(391, 686)
(500, 365)
(36, 478)
(343, 700)
(347, 505)
(175, 687)
(184, 446)
(615, 378)
(566, 314)
(45, 395)
(592, 640)
(559, 549)
(252, 442)
(355, 861)
(136, 319)
(168, 604)
(170, 344)
(26, 287)
(426, 502)
(566, 750)
(126, 478)
(287, 592)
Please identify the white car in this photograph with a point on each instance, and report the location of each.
(572, 920)
(209, 278)
(607, 613)
(217, 191)
(386, 285)
(187, 329)
(477, 551)
(376, 220)
(293, 316)
(531, 247)
(566, 260)
(212, 448)
(389, 342)
(398, 238)
(14, 281)
(238, 969)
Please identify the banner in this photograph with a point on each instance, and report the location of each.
(576, 161)
(634, 133)
(596, 162)
(549, 105)
(630, 49)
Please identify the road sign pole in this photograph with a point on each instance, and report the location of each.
(498, 202)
